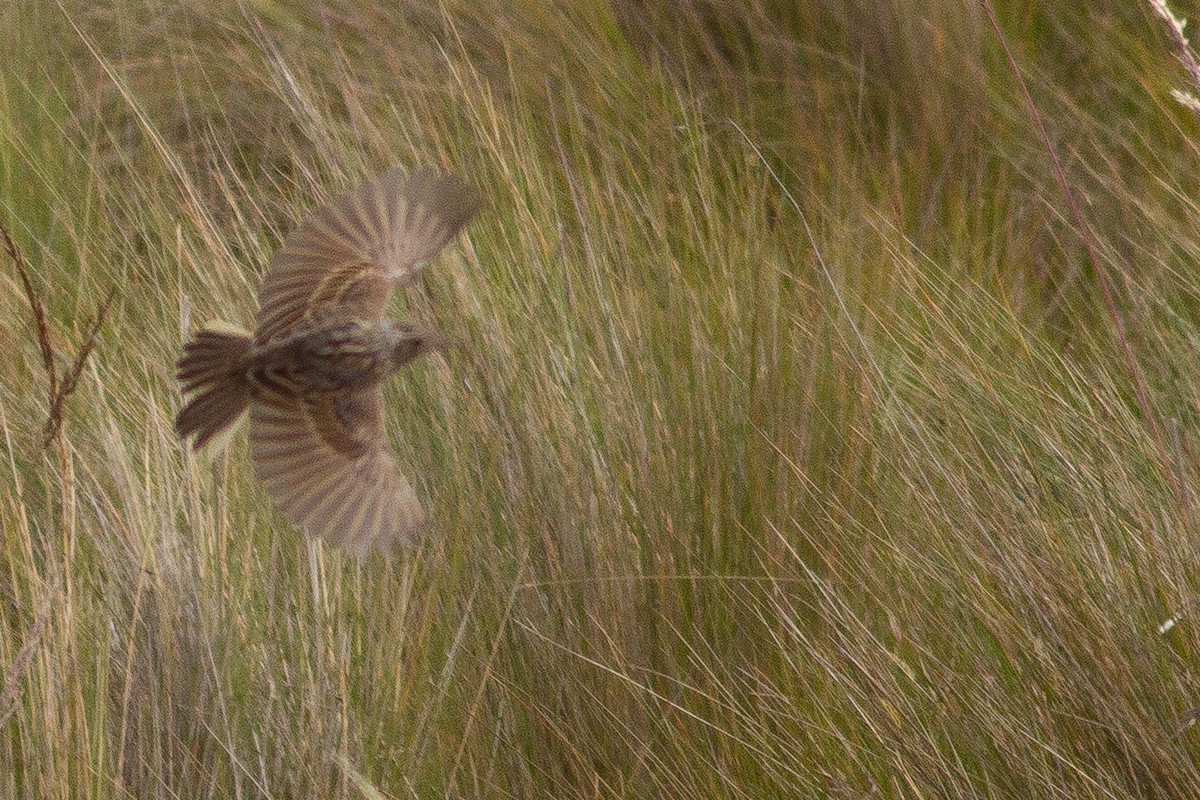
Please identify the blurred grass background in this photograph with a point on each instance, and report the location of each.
(794, 453)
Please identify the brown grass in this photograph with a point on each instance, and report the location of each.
(793, 448)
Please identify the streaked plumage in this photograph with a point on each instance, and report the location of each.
(310, 372)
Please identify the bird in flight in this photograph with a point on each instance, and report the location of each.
(310, 373)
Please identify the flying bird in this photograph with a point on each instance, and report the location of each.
(310, 373)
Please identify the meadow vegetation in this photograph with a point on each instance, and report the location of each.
(812, 435)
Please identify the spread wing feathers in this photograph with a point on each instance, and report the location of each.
(349, 254)
(325, 466)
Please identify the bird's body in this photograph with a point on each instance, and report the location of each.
(310, 372)
(342, 354)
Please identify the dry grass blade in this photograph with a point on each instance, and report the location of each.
(10, 694)
(1103, 278)
(1183, 49)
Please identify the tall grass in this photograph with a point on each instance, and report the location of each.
(792, 451)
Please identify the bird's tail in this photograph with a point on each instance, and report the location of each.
(213, 372)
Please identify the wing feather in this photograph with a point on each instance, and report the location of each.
(348, 256)
(350, 496)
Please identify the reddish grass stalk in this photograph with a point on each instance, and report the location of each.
(58, 390)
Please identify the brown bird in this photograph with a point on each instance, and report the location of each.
(310, 373)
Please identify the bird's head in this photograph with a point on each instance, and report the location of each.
(410, 341)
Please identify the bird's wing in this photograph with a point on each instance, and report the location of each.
(324, 463)
(348, 255)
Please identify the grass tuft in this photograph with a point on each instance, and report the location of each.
(803, 439)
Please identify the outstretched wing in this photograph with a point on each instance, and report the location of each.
(346, 258)
(324, 463)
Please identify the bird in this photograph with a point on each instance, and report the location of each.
(309, 375)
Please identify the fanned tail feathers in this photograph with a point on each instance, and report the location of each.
(212, 371)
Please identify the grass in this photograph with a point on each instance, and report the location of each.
(795, 450)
